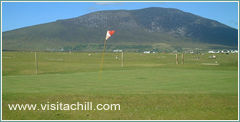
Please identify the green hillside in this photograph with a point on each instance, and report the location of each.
(136, 30)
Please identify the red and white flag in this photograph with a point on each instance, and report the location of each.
(109, 34)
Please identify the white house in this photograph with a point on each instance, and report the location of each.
(211, 51)
(147, 52)
(117, 51)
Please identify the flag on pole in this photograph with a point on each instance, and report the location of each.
(109, 34)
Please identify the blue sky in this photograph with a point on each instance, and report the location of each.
(17, 14)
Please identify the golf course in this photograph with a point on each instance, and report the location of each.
(147, 86)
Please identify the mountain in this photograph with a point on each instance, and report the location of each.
(143, 29)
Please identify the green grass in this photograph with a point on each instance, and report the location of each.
(149, 86)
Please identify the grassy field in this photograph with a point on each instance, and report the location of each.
(149, 86)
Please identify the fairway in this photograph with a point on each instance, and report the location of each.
(148, 86)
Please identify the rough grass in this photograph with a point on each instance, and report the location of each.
(149, 86)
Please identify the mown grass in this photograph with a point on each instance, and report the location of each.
(149, 86)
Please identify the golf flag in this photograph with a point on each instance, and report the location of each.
(109, 34)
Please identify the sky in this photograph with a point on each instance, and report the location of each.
(21, 14)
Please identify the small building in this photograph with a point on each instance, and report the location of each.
(211, 51)
(117, 51)
(147, 52)
(234, 51)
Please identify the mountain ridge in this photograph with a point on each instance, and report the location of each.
(142, 27)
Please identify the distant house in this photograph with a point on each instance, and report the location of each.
(117, 51)
(147, 52)
(223, 51)
(211, 51)
(191, 52)
(234, 51)
(61, 49)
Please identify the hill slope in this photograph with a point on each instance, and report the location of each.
(149, 28)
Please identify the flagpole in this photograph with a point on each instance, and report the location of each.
(109, 34)
(122, 59)
(102, 61)
(36, 63)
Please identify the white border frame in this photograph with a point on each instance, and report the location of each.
(119, 1)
